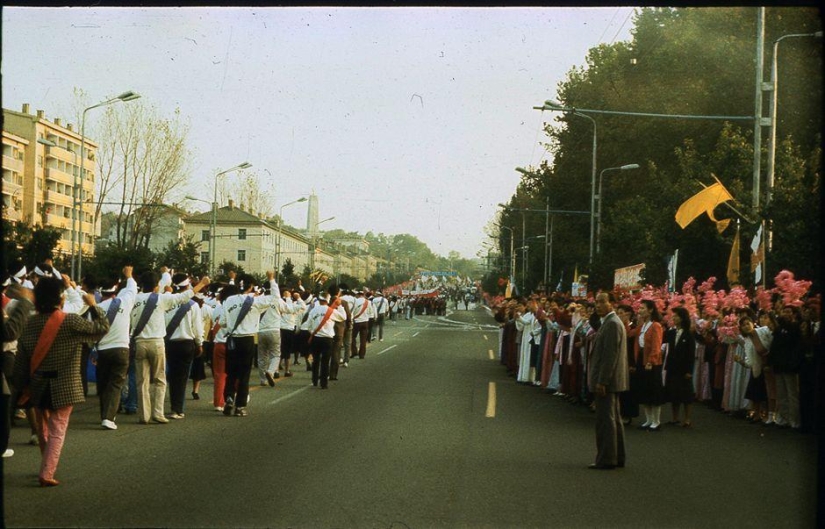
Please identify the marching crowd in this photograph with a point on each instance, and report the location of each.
(161, 330)
(750, 358)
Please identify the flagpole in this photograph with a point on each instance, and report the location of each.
(762, 243)
(749, 221)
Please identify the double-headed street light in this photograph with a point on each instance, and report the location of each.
(77, 233)
(601, 199)
(213, 254)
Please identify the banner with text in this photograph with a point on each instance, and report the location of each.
(629, 277)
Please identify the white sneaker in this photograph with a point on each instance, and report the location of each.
(346, 364)
(8, 453)
(109, 425)
(218, 408)
(177, 416)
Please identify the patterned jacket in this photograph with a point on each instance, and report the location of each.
(59, 373)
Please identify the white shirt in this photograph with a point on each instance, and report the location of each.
(275, 314)
(118, 335)
(288, 316)
(349, 300)
(165, 281)
(305, 323)
(156, 326)
(249, 325)
(356, 309)
(382, 308)
(317, 315)
(191, 326)
(217, 313)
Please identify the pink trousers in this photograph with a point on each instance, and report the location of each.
(51, 430)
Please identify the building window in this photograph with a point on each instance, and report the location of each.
(241, 255)
(204, 257)
(204, 235)
(242, 234)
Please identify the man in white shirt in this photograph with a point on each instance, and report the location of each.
(150, 350)
(382, 308)
(184, 341)
(348, 299)
(241, 318)
(269, 333)
(165, 279)
(113, 348)
(360, 325)
(322, 320)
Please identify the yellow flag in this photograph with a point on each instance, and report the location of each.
(704, 202)
(733, 260)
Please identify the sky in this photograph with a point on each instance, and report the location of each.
(401, 120)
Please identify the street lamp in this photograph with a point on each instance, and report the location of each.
(213, 235)
(512, 255)
(77, 233)
(280, 231)
(552, 105)
(774, 98)
(315, 241)
(599, 214)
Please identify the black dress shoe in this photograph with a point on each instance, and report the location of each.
(594, 466)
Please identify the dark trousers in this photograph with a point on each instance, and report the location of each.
(609, 431)
(379, 325)
(320, 348)
(179, 357)
(359, 330)
(337, 346)
(238, 367)
(112, 366)
(129, 401)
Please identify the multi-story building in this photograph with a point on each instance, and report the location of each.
(247, 239)
(167, 225)
(14, 153)
(54, 179)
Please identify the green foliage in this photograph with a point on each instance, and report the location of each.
(288, 276)
(110, 260)
(27, 245)
(183, 255)
(684, 61)
(224, 268)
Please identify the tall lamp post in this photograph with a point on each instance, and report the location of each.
(77, 203)
(600, 197)
(774, 97)
(512, 255)
(552, 105)
(526, 172)
(315, 241)
(280, 232)
(213, 235)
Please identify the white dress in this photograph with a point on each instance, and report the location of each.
(526, 325)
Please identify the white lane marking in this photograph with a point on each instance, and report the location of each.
(485, 337)
(491, 400)
(387, 349)
(289, 395)
(416, 334)
(490, 352)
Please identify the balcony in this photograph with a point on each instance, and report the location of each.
(58, 198)
(58, 222)
(13, 164)
(56, 175)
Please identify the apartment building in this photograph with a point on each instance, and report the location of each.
(14, 153)
(52, 176)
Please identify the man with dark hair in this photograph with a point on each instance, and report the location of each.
(241, 318)
(608, 373)
(785, 360)
(148, 332)
(340, 330)
(184, 341)
(360, 327)
(347, 301)
(113, 349)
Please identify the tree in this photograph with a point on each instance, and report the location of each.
(143, 161)
(288, 276)
(29, 246)
(246, 190)
(184, 256)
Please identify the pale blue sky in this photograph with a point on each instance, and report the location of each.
(403, 120)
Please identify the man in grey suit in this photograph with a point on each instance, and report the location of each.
(607, 377)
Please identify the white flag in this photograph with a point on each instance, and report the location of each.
(758, 256)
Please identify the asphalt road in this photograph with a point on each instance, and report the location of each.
(411, 437)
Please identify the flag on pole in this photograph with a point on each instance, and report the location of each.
(671, 271)
(758, 256)
(561, 277)
(705, 201)
(733, 260)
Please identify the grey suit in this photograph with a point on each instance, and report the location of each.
(608, 366)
